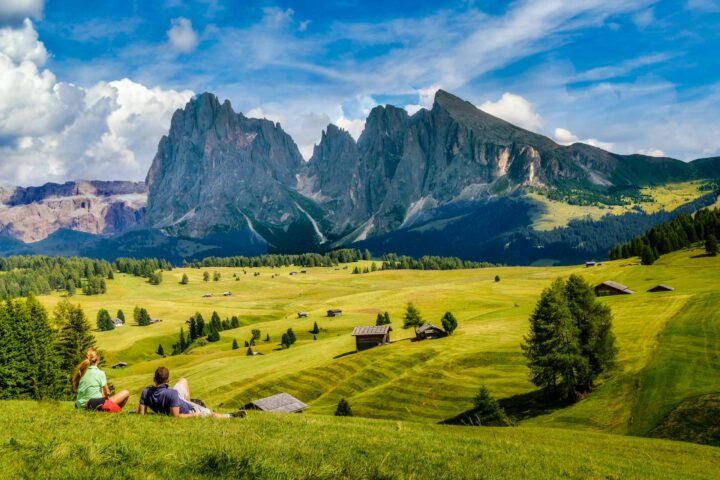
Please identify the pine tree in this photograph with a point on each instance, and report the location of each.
(75, 337)
(315, 330)
(552, 347)
(343, 409)
(249, 352)
(200, 329)
(449, 323)
(412, 317)
(285, 341)
(247, 344)
(216, 276)
(192, 330)
(104, 322)
(121, 316)
(185, 280)
(110, 275)
(70, 287)
(711, 245)
(182, 342)
(647, 257)
(291, 336)
(487, 410)
(206, 277)
(267, 337)
(234, 322)
(160, 350)
(380, 320)
(215, 321)
(497, 278)
(235, 345)
(387, 318)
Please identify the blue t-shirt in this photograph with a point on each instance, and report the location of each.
(160, 399)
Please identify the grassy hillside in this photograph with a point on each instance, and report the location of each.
(553, 213)
(666, 340)
(52, 441)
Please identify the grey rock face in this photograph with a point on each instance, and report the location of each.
(218, 171)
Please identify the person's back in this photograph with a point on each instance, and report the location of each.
(160, 399)
(90, 386)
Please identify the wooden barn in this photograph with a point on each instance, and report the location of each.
(282, 402)
(662, 288)
(430, 331)
(369, 337)
(334, 312)
(303, 314)
(609, 287)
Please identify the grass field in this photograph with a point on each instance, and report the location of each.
(52, 441)
(553, 214)
(668, 359)
(667, 341)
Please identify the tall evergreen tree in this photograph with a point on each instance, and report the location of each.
(235, 322)
(285, 341)
(449, 323)
(235, 345)
(200, 329)
(206, 277)
(184, 280)
(104, 322)
(291, 336)
(120, 315)
(75, 337)
(160, 350)
(412, 317)
(315, 330)
(711, 245)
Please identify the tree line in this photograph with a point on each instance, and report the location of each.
(41, 275)
(392, 261)
(38, 353)
(681, 232)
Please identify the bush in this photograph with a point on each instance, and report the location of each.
(449, 323)
(343, 409)
(487, 410)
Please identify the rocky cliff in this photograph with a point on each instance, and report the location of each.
(31, 214)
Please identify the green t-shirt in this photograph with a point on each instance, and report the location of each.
(90, 386)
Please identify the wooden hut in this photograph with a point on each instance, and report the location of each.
(589, 264)
(369, 337)
(430, 331)
(609, 287)
(117, 323)
(282, 402)
(303, 314)
(334, 312)
(662, 288)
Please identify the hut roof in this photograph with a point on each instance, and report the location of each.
(282, 402)
(662, 287)
(617, 286)
(425, 327)
(373, 330)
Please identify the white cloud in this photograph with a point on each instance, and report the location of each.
(181, 35)
(52, 130)
(564, 136)
(13, 10)
(653, 152)
(514, 109)
(354, 127)
(412, 108)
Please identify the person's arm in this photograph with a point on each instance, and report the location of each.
(175, 412)
(106, 391)
(141, 409)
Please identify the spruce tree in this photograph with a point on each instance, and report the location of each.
(315, 330)
(235, 345)
(497, 278)
(449, 323)
(412, 317)
(184, 280)
(267, 337)
(711, 245)
(380, 320)
(647, 257)
(291, 336)
(121, 316)
(387, 318)
(160, 350)
(215, 321)
(200, 329)
(343, 409)
(192, 330)
(487, 409)
(249, 352)
(104, 322)
(235, 322)
(285, 341)
(75, 337)
(206, 276)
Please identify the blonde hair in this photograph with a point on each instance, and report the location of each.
(92, 357)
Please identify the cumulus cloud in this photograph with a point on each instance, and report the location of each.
(51, 130)
(564, 136)
(181, 35)
(652, 152)
(14, 10)
(514, 109)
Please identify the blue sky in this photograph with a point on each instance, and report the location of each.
(87, 87)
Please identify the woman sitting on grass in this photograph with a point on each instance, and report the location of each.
(91, 386)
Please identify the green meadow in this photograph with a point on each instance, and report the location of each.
(668, 342)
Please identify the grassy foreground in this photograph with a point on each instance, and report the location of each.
(52, 441)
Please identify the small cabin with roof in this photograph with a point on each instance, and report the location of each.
(120, 365)
(369, 337)
(117, 323)
(334, 312)
(662, 288)
(609, 287)
(430, 331)
(589, 264)
(282, 402)
(227, 294)
(303, 314)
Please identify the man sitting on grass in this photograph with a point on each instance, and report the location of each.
(172, 401)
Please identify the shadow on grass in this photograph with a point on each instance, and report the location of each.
(344, 354)
(518, 408)
(702, 255)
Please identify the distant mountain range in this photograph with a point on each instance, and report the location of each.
(451, 180)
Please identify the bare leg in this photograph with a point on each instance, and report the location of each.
(120, 398)
(184, 383)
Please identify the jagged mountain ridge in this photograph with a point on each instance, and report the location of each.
(31, 214)
(219, 171)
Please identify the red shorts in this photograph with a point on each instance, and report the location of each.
(103, 405)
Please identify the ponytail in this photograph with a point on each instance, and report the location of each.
(91, 358)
